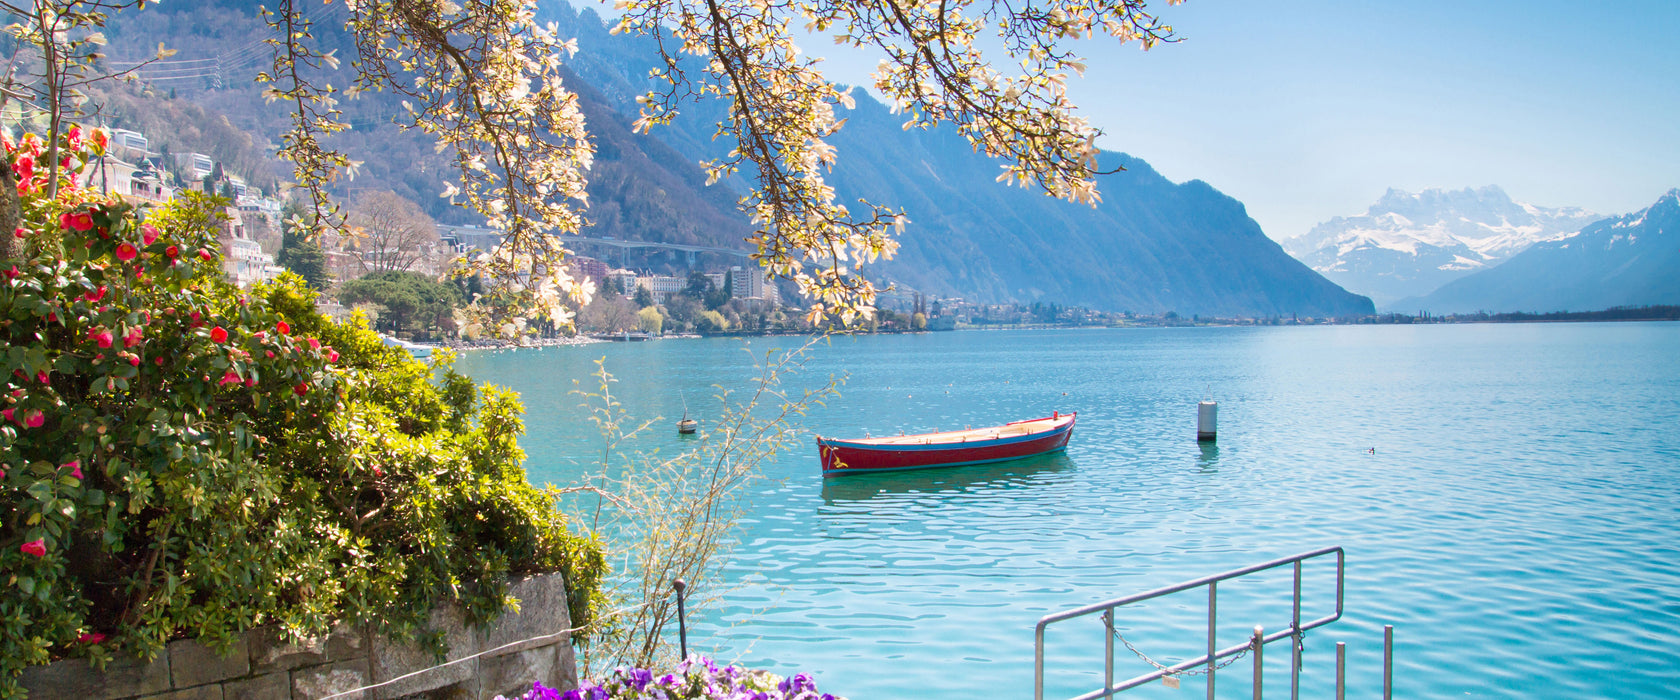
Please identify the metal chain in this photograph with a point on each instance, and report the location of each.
(1195, 672)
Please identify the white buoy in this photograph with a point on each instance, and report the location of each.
(1207, 420)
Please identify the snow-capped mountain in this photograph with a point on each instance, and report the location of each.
(1629, 260)
(1409, 244)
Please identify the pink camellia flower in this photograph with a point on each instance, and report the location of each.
(231, 377)
(81, 221)
(332, 355)
(101, 336)
(52, 316)
(7, 414)
(148, 233)
(92, 637)
(75, 467)
(96, 294)
(218, 334)
(314, 344)
(21, 232)
(127, 252)
(195, 316)
(34, 419)
(259, 335)
(133, 338)
(172, 251)
(24, 169)
(37, 548)
(301, 389)
(74, 136)
(160, 360)
(269, 353)
(283, 327)
(98, 138)
(134, 360)
(41, 376)
(205, 254)
(12, 273)
(250, 381)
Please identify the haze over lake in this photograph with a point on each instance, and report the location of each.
(1516, 522)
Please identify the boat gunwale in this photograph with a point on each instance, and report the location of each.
(895, 442)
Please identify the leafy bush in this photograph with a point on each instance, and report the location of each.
(182, 459)
(696, 678)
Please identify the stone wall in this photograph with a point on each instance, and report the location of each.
(261, 666)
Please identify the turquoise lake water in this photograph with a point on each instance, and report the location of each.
(1518, 524)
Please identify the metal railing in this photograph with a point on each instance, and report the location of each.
(1210, 660)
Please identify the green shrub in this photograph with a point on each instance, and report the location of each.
(182, 459)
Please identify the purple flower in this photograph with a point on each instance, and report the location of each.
(542, 692)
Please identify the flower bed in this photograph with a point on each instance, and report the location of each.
(696, 678)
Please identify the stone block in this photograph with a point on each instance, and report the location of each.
(271, 686)
(193, 664)
(124, 677)
(542, 612)
(316, 682)
(212, 691)
(271, 651)
(511, 675)
(390, 660)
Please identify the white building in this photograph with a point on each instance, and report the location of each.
(197, 164)
(753, 283)
(662, 286)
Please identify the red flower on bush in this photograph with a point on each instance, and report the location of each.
(12, 273)
(301, 389)
(34, 419)
(172, 251)
(231, 377)
(96, 294)
(78, 220)
(314, 344)
(41, 376)
(127, 252)
(133, 338)
(24, 169)
(101, 336)
(90, 638)
(149, 234)
(205, 254)
(37, 548)
(21, 232)
(7, 414)
(283, 327)
(74, 136)
(332, 355)
(218, 334)
(75, 467)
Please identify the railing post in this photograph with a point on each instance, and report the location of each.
(1213, 646)
(682, 626)
(1341, 670)
(1108, 652)
(1388, 662)
(1259, 646)
(1295, 648)
(1038, 661)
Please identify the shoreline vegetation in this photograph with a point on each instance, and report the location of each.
(1615, 314)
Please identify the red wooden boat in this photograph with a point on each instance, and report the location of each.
(1023, 438)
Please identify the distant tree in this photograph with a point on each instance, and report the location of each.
(610, 288)
(644, 298)
(710, 321)
(392, 233)
(918, 322)
(650, 320)
(412, 301)
(716, 297)
(699, 285)
(302, 254)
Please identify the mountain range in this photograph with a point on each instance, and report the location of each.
(1628, 260)
(1151, 246)
(1410, 244)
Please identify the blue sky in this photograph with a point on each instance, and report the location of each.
(1308, 109)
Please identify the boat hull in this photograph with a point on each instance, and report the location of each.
(844, 457)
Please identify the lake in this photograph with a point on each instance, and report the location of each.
(1516, 522)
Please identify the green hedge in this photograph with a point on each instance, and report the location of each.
(184, 459)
